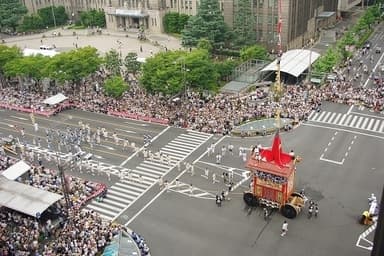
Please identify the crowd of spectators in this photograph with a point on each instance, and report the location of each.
(58, 231)
(212, 114)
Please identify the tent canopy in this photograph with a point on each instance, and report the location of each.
(34, 52)
(16, 170)
(24, 198)
(294, 62)
(55, 99)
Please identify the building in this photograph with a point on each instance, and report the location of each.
(301, 19)
(346, 5)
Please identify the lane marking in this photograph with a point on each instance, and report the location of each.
(127, 131)
(332, 161)
(105, 146)
(344, 130)
(373, 70)
(137, 151)
(20, 118)
(136, 124)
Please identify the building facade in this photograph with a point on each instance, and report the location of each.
(301, 19)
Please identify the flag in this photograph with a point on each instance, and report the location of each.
(276, 149)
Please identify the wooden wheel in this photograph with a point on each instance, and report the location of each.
(289, 211)
(250, 199)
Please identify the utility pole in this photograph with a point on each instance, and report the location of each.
(277, 92)
(53, 14)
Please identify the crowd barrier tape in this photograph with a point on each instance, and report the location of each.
(46, 113)
(139, 117)
(100, 188)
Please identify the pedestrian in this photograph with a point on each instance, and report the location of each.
(36, 127)
(310, 211)
(206, 173)
(218, 200)
(141, 179)
(166, 185)
(160, 182)
(266, 213)
(284, 228)
(214, 178)
(218, 158)
(191, 189)
(192, 170)
(316, 210)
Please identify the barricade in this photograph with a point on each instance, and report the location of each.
(139, 117)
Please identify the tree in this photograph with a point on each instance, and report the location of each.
(205, 44)
(254, 52)
(74, 65)
(7, 54)
(115, 86)
(31, 67)
(244, 23)
(93, 18)
(31, 22)
(225, 68)
(172, 72)
(11, 12)
(51, 14)
(131, 63)
(174, 22)
(113, 62)
(208, 23)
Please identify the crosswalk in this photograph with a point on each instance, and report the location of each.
(141, 178)
(367, 123)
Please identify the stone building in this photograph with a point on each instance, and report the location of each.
(301, 19)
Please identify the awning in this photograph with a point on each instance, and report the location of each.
(325, 14)
(55, 99)
(26, 199)
(294, 62)
(131, 13)
(16, 170)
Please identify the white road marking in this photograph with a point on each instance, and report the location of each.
(98, 157)
(362, 114)
(373, 70)
(137, 151)
(107, 147)
(349, 110)
(127, 131)
(20, 118)
(332, 161)
(136, 124)
(344, 130)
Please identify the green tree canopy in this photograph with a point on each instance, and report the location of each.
(174, 22)
(112, 62)
(8, 54)
(31, 22)
(208, 23)
(74, 65)
(131, 63)
(11, 12)
(171, 72)
(244, 23)
(254, 52)
(47, 13)
(115, 86)
(205, 44)
(93, 18)
(29, 67)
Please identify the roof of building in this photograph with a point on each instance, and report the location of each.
(294, 62)
(26, 199)
(16, 170)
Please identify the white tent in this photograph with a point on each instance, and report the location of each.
(26, 199)
(34, 52)
(16, 170)
(55, 99)
(294, 62)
